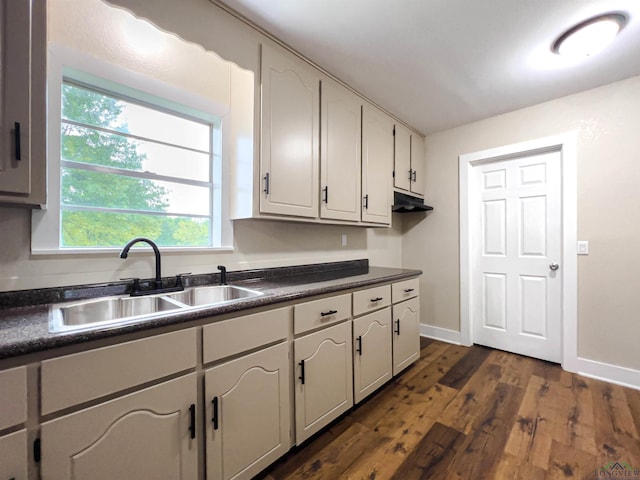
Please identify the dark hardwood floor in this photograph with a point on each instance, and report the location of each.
(473, 413)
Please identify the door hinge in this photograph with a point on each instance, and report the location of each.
(37, 450)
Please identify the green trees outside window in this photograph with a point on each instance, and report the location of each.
(118, 183)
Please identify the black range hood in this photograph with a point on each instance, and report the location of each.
(403, 203)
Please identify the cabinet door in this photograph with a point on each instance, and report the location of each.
(15, 45)
(377, 168)
(290, 135)
(340, 158)
(323, 378)
(248, 421)
(403, 173)
(146, 434)
(417, 164)
(13, 456)
(372, 352)
(406, 334)
(13, 397)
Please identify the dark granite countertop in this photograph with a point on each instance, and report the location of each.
(24, 316)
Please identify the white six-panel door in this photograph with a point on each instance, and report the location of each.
(516, 255)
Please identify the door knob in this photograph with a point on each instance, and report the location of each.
(554, 266)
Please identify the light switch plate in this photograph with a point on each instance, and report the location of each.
(583, 247)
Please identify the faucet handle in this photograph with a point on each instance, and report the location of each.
(136, 282)
(223, 274)
(179, 279)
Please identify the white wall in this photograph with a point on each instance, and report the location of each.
(607, 121)
(257, 244)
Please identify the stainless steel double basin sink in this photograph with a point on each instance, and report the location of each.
(109, 312)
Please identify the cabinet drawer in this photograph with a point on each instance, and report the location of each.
(320, 313)
(13, 397)
(80, 377)
(371, 299)
(237, 335)
(405, 290)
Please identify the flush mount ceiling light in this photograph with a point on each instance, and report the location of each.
(589, 37)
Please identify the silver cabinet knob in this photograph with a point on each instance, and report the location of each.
(554, 266)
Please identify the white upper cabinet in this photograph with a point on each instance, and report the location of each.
(326, 155)
(417, 164)
(289, 135)
(377, 165)
(403, 173)
(408, 160)
(340, 157)
(21, 176)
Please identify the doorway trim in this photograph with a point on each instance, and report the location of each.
(566, 145)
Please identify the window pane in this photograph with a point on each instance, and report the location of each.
(105, 229)
(97, 109)
(96, 189)
(101, 209)
(86, 145)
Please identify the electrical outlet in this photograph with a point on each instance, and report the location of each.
(344, 239)
(583, 247)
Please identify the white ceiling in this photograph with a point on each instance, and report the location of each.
(437, 64)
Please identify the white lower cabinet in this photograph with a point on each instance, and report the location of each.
(110, 412)
(13, 414)
(147, 434)
(406, 334)
(248, 413)
(323, 378)
(372, 352)
(14, 456)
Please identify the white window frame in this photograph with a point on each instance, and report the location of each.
(64, 62)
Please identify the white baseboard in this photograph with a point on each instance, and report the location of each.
(438, 333)
(626, 377)
(623, 376)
